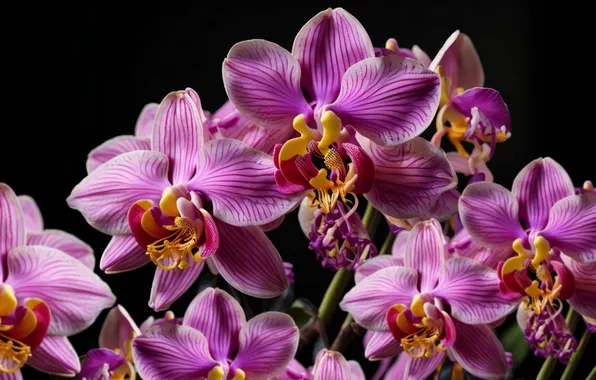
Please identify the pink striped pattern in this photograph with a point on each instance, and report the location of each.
(326, 47)
(376, 264)
(388, 99)
(144, 125)
(422, 367)
(113, 148)
(472, 291)
(219, 317)
(179, 133)
(106, 194)
(12, 376)
(117, 329)
(56, 356)
(330, 365)
(262, 79)
(169, 285)
(249, 262)
(12, 222)
(74, 294)
(381, 345)
(409, 178)
(123, 254)
(65, 242)
(537, 188)
(31, 213)
(240, 182)
(425, 253)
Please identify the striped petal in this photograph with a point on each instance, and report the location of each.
(55, 356)
(117, 330)
(389, 100)
(239, 181)
(326, 46)
(381, 345)
(169, 285)
(425, 253)
(330, 365)
(144, 125)
(66, 243)
(122, 254)
(12, 223)
(375, 264)
(31, 213)
(113, 148)
(74, 294)
(584, 297)
(421, 368)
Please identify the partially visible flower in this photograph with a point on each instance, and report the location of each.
(431, 306)
(391, 47)
(105, 364)
(289, 272)
(553, 233)
(588, 187)
(216, 342)
(329, 365)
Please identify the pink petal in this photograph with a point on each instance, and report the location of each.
(326, 46)
(66, 243)
(330, 365)
(425, 253)
(240, 182)
(465, 246)
(461, 165)
(572, 227)
(409, 178)
(219, 317)
(74, 294)
(486, 108)
(179, 133)
(31, 213)
(584, 297)
(117, 329)
(489, 212)
(356, 372)
(262, 79)
(382, 345)
(268, 343)
(11, 376)
(306, 217)
(106, 194)
(388, 99)
(144, 126)
(460, 62)
(113, 148)
(541, 184)
(249, 262)
(399, 245)
(169, 285)
(157, 350)
(472, 291)
(398, 369)
(479, 351)
(369, 301)
(12, 222)
(376, 264)
(56, 356)
(444, 207)
(422, 367)
(123, 254)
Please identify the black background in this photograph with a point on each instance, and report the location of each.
(78, 74)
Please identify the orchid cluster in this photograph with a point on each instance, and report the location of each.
(316, 130)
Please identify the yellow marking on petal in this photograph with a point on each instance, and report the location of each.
(8, 301)
(25, 327)
(391, 45)
(297, 146)
(216, 373)
(332, 129)
(405, 325)
(542, 249)
(445, 87)
(534, 290)
(169, 315)
(240, 375)
(460, 90)
(588, 186)
(167, 204)
(417, 306)
(150, 226)
(517, 262)
(321, 181)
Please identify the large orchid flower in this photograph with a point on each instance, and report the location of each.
(45, 296)
(431, 306)
(155, 203)
(468, 111)
(216, 342)
(546, 224)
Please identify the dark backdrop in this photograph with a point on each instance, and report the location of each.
(79, 74)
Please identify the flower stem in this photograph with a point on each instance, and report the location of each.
(387, 244)
(349, 330)
(549, 364)
(333, 295)
(592, 375)
(581, 347)
(371, 219)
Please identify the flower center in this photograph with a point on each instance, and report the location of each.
(177, 246)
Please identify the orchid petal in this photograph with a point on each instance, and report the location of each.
(541, 184)
(74, 294)
(219, 317)
(65, 242)
(375, 264)
(461, 165)
(268, 343)
(369, 301)
(444, 207)
(465, 246)
(398, 369)
(107, 193)
(472, 292)
(123, 254)
(382, 345)
(584, 297)
(489, 213)
(409, 177)
(479, 351)
(169, 285)
(388, 99)
(572, 227)
(144, 125)
(356, 372)
(117, 330)
(99, 362)
(306, 216)
(55, 356)
(31, 213)
(326, 46)
(421, 368)
(240, 182)
(11, 376)
(12, 222)
(425, 253)
(155, 351)
(113, 148)
(489, 103)
(330, 365)
(262, 79)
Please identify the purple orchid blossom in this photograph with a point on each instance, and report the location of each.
(431, 306)
(215, 341)
(552, 231)
(329, 365)
(153, 203)
(467, 111)
(36, 316)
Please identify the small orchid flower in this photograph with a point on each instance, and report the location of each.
(216, 342)
(391, 47)
(553, 233)
(329, 365)
(467, 111)
(155, 203)
(45, 296)
(431, 306)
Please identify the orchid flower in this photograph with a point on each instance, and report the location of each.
(553, 233)
(216, 342)
(329, 365)
(431, 306)
(155, 203)
(45, 296)
(391, 47)
(467, 111)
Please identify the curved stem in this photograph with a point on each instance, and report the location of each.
(333, 295)
(387, 244)
(592, 375)
(371, 219)
(581, 347)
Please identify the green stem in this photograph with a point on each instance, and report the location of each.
(371, 219)
(549, 364)
(592, 375)
(387, 244)
(571, 319)
(333, 295)
(581, 347)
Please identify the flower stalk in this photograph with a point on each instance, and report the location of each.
(570, 369)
